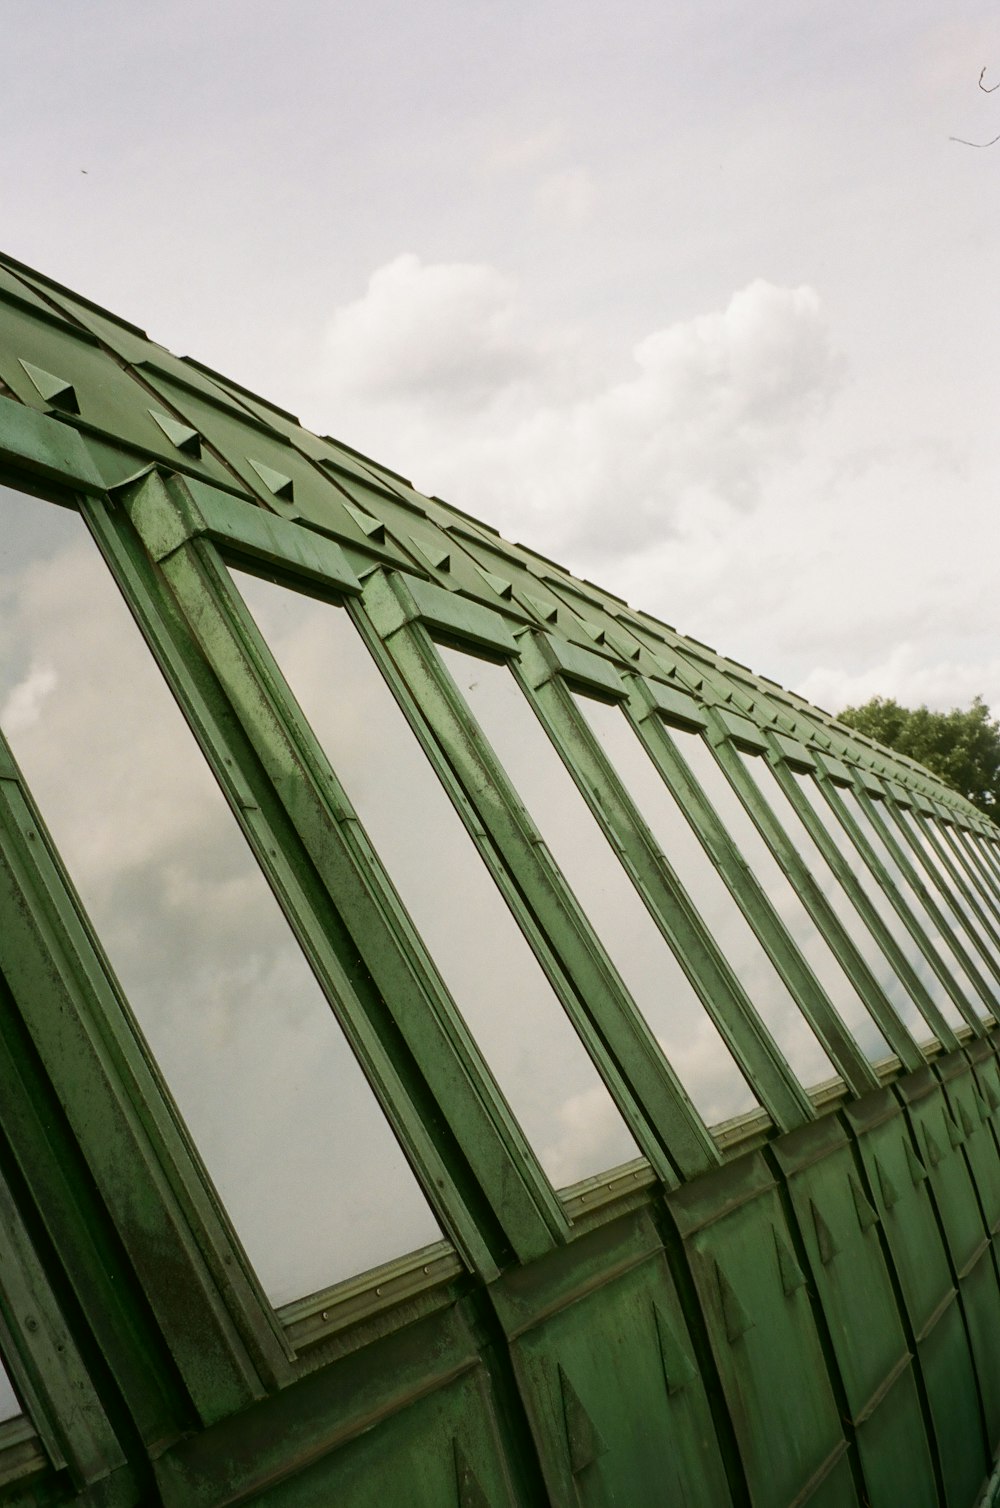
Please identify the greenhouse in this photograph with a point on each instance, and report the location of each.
(463, 1044)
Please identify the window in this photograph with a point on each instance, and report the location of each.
(880, 901)
(871, 829)
(837, 897)
(304, 1161)
(507, 1002)
(640, 953)
(775, 884)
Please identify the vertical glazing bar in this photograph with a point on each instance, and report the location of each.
(804, 791)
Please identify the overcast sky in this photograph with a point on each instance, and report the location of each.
(699, 300)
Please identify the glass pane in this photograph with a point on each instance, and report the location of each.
(976, 862)
(872, 831)
(880, 901)
(720, 912)
(952, 902)
(836, 896)
(10, 1405)
(651, 973)
(510, 1007)
(776, 885)
(298, 1147)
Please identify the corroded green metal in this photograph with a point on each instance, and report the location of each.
(801, 1307)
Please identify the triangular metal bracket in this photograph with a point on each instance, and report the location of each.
(791, 1274)
(992, 1098)
(547, 611)
(470, 1493)
(965, 1118)
(282, 486)
(888, 1190)
(828, 1247)
(582, 1437)
(917, 1170)
(502, 587)
(434, 555)
(181, 436)
(934, 1153)
(953, 1129)
(372, 528)
(55, 390)
(678, 1368)
(734, 1316)
(867, 1217)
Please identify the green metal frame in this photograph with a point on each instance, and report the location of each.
(837, 1251)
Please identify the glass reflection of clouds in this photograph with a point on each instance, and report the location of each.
(951, 901)
(660, 989)
(976, 864)
(837, 898)
(708, 891)
(888, 915)
(304, 1161)
(776, 885)
(871, 829)
(512, 1011)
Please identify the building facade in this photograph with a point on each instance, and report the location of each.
(462, 1042)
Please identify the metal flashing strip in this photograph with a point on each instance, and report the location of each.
(43, 447)
(582, 667)
(418, 601)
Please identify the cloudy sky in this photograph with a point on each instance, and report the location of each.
(699, 300)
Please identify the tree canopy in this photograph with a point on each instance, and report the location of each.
(962, 747)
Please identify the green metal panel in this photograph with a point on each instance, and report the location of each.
(897, 1182)
(754, 1296)
(606, 1368)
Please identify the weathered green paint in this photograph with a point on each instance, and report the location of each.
(800, 1308)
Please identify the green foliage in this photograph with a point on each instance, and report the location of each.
(963, 748)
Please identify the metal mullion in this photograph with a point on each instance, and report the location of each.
(974, 919)
(796, 974)
(859, 898)
(299, 894)
(822, 913)
(410, 702)
(621, 1045)
(985, 849)
(981, 895)
(979, 861)
(46, 1175)
(75, 1016)
(480, 1182)
(43, 1361)
(889, 888)
(930, 905)
(705, 965)
(962, 841)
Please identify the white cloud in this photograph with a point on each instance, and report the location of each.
(721, 474)
(23, 706)
(547, 447)
(428, 333)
